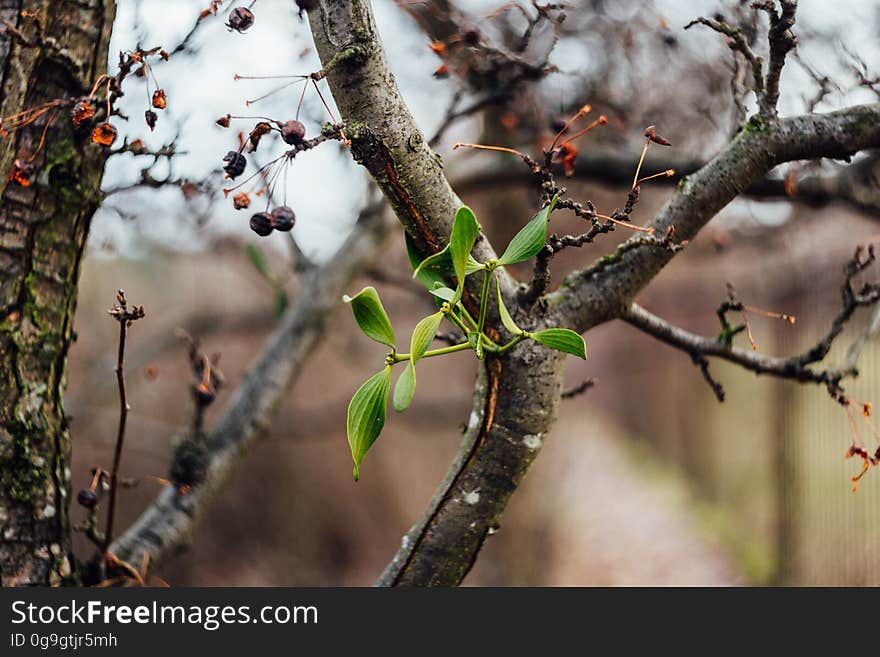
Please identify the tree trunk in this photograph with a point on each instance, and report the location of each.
(43, 229)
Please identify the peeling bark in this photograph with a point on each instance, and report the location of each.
(43, 229)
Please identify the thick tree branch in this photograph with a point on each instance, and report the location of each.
(516, 400)
(605, 289)
(857, 185)
(167, 524)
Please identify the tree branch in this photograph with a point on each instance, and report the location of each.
(796, 368)
(699, 347)
(605, 289)
(517, 396)
(857, 185)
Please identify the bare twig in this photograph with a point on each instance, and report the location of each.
(125, 316)
(579, 389)
(796, 368)
(782, 41)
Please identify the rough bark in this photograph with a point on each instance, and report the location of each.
(43, 230)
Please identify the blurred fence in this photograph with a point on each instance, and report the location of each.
(770, 463)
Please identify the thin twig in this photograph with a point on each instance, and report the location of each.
(124, 316)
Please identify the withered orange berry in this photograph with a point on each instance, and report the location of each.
(104, 134)
(159, 99)
(21, 173)
(262, 128)
(81, 112)
(241, 201)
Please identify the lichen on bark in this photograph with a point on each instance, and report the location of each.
(43, 230)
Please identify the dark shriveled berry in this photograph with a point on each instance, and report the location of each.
(283, 218)
(240, 19)
(189, 464)
(261, 224)
(151, 118)
(235, 164)
(204, 394)
(293, 132)
(87, 498)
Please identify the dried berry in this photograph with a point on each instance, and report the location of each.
(262, 128)
(204, 394)
(235, 164)
(224, 121)
(81, 112)
(283, 218)
(293, 132)
(240, 19)
(241, 201)
(471, 37)
(566, 156)
(261, 224)
(651, 133)
(87, 498)
(104, 134)
(190, 464)
(558, 123)
(441, 72)
(151, 118)
(21, 173)
(159, 99)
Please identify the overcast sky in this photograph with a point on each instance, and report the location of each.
(324, 187)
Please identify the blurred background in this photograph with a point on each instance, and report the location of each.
(646, 479)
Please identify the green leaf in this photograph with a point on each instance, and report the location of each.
(445, 293)
(465, 230)
(531, 239)
(562, 340)
(473, 265)
(430, 271)
(280, 303)
(405, 388)
(371, 316)
(258, 260)
(423, 334)
(366, 415)
(506, 319)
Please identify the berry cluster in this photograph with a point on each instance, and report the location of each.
(281, 218)
(292, 133)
